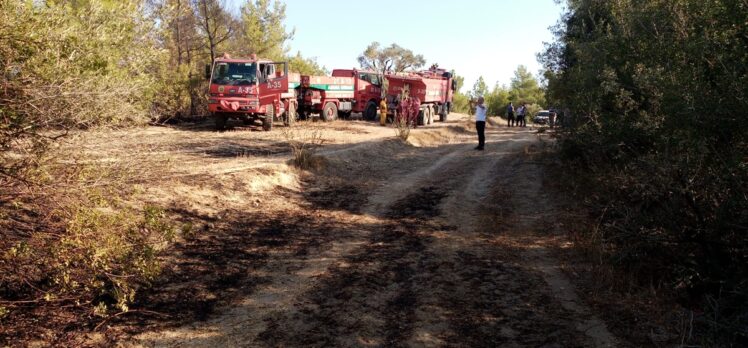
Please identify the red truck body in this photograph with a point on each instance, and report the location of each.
(251, 89)
(346, 91)
(429, 93)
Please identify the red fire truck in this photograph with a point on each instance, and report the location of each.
(429, 93)
(346, 91)
(251, 89)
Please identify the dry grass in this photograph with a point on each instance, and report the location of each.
(402, 128)
(304, 144)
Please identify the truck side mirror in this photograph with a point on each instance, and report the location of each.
(207, 71)
(454, 85)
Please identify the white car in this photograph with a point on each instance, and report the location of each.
(542, 117)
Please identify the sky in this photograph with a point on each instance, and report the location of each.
(488, 38)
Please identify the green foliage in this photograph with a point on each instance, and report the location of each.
(653, 93)
(389, 59)
(93, 250)
(65, 69)
(305, 66)
(262, 30)
(480, 89)
(524, 88)
(460, 103)
(62, 69)
(498, 100)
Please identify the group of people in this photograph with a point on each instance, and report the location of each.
(518, 120)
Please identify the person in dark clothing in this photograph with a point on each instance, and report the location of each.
(510, 115)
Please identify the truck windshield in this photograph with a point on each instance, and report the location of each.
(236, 74)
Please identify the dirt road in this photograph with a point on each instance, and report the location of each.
(429, 243)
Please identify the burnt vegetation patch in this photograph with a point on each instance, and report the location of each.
(385, 268)
(218, 265)
(423, 203)
(336, 195)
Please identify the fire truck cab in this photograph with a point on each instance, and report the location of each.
(250, 89)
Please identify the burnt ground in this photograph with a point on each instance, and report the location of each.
(388, 244)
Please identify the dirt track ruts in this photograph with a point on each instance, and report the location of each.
(442, 247)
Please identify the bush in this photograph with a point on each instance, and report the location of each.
(70, 66)
(304, 145)
(92, 248)
(402, 128)
(652, 93)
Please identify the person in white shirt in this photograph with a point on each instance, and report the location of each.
(480, 123)
(521, 119)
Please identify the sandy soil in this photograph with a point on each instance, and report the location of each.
(425, 243)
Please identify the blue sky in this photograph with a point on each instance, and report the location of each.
(474, 37)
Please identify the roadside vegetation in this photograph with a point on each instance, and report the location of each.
(654, 95)
(78, 243)
(523, 88)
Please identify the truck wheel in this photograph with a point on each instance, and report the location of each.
(290, 115)
(267, 122)
(329, 112)
(370, 113)
(421, 117)
(431, 114)
(443, 114)
(220, 120)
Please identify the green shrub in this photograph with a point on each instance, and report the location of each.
(653, 93)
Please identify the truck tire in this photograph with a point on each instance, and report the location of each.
(329, 112)
(290, 118)
(431, 115)
(267, 122)
(370, 113)
(220, 120)
(421, 120)
(444, 113)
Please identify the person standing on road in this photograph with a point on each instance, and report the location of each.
(510, 115)
(382, 112)
(480, 123)
(521, 120)
(552, 118)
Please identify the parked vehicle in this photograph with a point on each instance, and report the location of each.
(428, 93)
(346, 91)
(251, 89)
(542, 117)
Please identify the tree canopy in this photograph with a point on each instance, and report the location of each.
(262, 30)
(652, 95)
(389, 59)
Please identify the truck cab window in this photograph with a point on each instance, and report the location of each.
(374, 79)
